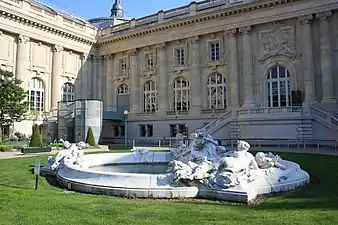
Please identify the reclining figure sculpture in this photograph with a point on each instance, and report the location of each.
(206, 163)
(71, 154)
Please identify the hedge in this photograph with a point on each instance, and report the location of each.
(7, 148)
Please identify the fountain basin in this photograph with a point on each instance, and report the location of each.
(90, 179)
(121, 174)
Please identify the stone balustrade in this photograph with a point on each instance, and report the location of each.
(193, 9)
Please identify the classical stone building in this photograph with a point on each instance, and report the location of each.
(254, 69)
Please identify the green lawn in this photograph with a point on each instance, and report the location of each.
(21, 204)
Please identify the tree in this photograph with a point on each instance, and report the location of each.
(36, 140)
(90, 137)
(13, 100)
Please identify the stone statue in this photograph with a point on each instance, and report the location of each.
(143, 155)
(71, 154)
(264, 161)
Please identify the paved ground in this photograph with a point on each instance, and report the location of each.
(322, 151)
(17, 154)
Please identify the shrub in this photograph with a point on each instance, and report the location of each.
(7, 148)
(90, 137)
(36, 140)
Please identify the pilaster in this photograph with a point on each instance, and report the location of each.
(233, 64)
(110, 89)
(135, 82)
(84, 76)
(248, 75)
(195, 77)
(22, 58)
(57, 72)
(95, 75)
(307, 60)
(326, 58)
(163, 79)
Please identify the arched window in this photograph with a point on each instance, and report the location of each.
(181, 95)
(149, 96)
(36, 94)
(122, 89)
(68, 92)
(216, 91)
(279, 91)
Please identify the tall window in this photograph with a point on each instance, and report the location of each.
(214, 51)
(179, 57)
(149, 96)
(36, 94)
(122, 89)
(68, 92)
(150, 61)
(123, 66)
(181, 96)
(216, 91)
(279, 91)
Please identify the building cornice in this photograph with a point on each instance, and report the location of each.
(217, 14)
(46, 28)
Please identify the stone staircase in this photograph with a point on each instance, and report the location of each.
(304, 130)
(217, 124)
(235, 131)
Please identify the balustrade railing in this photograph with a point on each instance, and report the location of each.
(324, 117)
(173, 14)
(217, 122)
(269, 111)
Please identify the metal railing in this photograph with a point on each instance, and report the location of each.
(299, 145)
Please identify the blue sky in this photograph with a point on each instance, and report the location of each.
(96, 8)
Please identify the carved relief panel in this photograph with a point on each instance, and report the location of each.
(7, 49)
(277, 40)
(71, 64)
(40, 57)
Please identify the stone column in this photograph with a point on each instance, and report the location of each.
(109, 85)
(90, 94)
(162, 85)
(84, 75)
(22, 58)
(57, 71)
(233, 64)
(326, 58)
(307, 60)
(195, 77)
(100, 65)
(94, 76)
(135, 83)
(248, 76)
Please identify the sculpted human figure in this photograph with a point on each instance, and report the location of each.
(265, 162)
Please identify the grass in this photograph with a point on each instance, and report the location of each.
(21, 204)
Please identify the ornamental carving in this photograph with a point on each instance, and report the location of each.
(58, 48)
(161, 46)
(121, 79)
(23, 39)
(279, 40)
(194, 40)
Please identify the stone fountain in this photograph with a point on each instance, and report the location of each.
(203, 169)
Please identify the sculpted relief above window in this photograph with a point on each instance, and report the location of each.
(278, 40)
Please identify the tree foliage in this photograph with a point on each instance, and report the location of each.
(90, 137)
(36, 140)
(13, 99)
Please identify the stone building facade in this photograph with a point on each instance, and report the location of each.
(253, 69)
